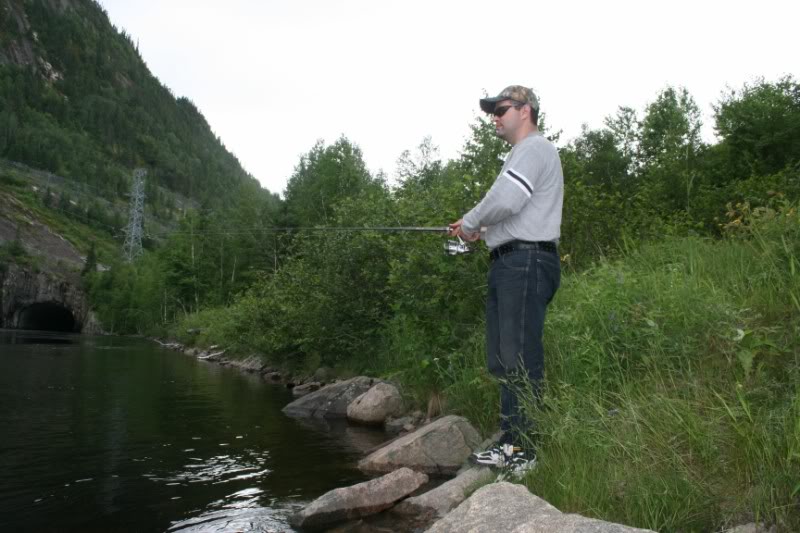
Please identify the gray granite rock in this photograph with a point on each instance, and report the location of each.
(332, 400)
(305, 388)
(439, 448)
(511, 508)
(381, 401)
(359, 500)
(398, 425)
(752, 528)
(438, 502)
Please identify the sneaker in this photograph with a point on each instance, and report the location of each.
(497, 456)
(520, 463)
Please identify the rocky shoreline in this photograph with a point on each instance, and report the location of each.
(408, 493)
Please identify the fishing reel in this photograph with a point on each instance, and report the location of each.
(457, 246)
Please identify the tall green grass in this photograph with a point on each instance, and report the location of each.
(673, 399)
(672, 396)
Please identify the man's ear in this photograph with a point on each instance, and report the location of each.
(527, 110)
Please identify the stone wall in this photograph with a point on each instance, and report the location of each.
(23, 292)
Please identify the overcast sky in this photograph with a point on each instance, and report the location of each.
(273, 77)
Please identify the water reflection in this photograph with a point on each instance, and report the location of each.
(219, 469)
(23, 336)
(111, 434)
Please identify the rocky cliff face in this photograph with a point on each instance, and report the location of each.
(21, 46)
(38, 300)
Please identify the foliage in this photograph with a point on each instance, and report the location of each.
(322, 178)
(681, 356)
(672, 346)
(96, 111)
(760, 127)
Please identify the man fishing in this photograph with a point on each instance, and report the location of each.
(522, 216)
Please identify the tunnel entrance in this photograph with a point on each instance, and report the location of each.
(48, 316)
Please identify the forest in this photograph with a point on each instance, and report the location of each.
(672, 347)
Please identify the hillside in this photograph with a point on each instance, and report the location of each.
(77, 100)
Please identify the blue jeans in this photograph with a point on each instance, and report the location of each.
(521, 285)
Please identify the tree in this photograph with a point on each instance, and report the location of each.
(322, 178)
(760, 127)
(625, 128)
(668, 150)
(596, 160)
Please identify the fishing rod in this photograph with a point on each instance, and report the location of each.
(455, 246)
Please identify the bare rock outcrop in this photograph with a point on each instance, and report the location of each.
(511, 508)
(359, 500)
(439, 448)
(306, 388)
(438, 502)
(28, 298)
(332, 400)
(380, 402)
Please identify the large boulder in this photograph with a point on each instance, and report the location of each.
(511, 508)
(377, 404)
(439, 448)
(358, 500)
(438, 502)
(330, 401)
(305, 388)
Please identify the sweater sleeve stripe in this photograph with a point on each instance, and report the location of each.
(519, 181)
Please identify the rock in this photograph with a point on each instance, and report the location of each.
(306, 388)
(439, 448)
(252, 363)
(397, 425)
(361, 527)
(214, 355)
(331, 400)
(273, 376)
(29, 297)
(359, 500)
(374, 406)
(193, 331)
(508, 507)
(323, 374)
(190, 351)
(486, 444)
(438, 502)
(752, 528)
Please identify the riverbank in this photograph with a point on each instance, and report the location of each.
(671, 398)
(438, 448)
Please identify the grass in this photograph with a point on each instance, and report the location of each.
(672, 396)
(14, 185)
(672, 391)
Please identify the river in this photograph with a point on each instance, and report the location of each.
(119, 434)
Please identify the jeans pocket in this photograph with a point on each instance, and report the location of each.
(548, 278)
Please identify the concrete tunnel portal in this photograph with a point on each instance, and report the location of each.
(47, 316)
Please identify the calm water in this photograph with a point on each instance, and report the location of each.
(117, 434)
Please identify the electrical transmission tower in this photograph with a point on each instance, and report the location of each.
(133, 233)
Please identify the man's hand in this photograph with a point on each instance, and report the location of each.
(457, 231)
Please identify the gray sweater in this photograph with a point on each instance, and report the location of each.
(525, 200)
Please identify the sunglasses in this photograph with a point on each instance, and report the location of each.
(500, 111)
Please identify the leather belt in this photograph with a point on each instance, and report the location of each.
(512, 246)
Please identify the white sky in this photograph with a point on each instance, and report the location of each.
(272, 77)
